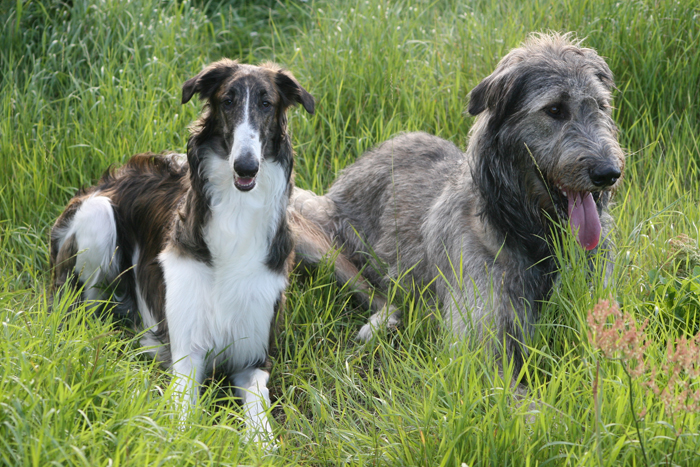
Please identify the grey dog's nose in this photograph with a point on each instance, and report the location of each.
(605, 175)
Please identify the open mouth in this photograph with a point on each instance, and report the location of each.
(244, 183)
(581, 210)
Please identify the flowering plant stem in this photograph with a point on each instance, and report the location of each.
(596, 403)
(675, 441)
(634, 417)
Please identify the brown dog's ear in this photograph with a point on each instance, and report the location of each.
(207, 82)
(292, 92)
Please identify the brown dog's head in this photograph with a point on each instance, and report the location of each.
(245, 121)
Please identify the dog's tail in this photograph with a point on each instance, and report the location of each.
(311, 218)
(83, 249)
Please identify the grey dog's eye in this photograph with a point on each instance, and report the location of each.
(266, 103)
(228, 102)
(554, 110)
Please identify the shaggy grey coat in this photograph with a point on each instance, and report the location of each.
(478, 226)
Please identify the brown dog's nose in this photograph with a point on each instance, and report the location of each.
(246, 166)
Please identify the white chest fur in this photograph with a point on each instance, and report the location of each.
(225, 309)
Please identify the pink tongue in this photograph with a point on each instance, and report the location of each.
(584, 220)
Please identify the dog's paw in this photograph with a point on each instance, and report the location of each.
(366, 333)
(265, 440)
(384, 319)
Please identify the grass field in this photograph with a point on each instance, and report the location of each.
(85, 85)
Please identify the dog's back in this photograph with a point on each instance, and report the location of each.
(386, 196)
(129, 210)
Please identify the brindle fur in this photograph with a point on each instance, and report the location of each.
(162, 201)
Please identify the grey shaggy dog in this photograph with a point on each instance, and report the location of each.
(543, 151)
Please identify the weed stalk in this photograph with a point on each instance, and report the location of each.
(596, 403)
(634, 416)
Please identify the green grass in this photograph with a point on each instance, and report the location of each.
(83, 86)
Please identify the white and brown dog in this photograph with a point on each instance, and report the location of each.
(197, 249)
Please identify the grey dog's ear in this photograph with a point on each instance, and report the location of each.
(478, 96)
(603, 72)
(207, 82)
(292, 92)
(500, 92)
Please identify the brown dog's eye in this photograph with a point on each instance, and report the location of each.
(227, 103)
(266, 104)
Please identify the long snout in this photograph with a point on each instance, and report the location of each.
(593, 139)
(245, 157)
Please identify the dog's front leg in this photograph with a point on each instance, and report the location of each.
(251, 387)
(187, 295)
(605, 251)
(387, 317)
(188, 374)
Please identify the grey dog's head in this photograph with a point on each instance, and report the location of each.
(545, 112)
